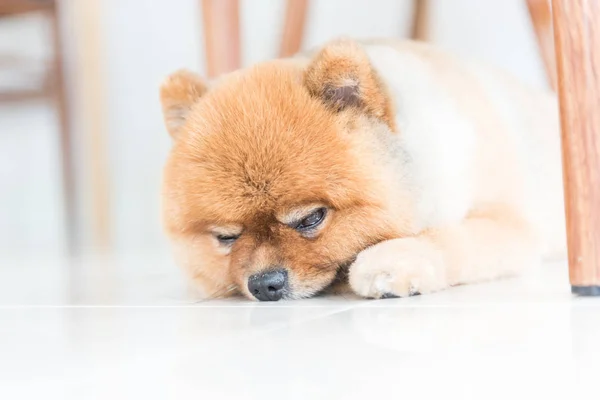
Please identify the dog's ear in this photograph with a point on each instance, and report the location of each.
(341, 75)
(177, 95)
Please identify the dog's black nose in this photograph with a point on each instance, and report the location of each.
(268, 285)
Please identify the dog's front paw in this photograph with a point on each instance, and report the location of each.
(398, 267)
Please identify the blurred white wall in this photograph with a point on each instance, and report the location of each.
(146, 40)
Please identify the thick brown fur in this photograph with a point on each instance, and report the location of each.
(263, 142)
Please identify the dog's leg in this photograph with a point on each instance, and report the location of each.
(486, 245)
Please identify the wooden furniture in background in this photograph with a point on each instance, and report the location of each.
(420, 20)
(222, 31)
(293, 27)
(221, 23)
(540, 12)
(577, 40)
(53, 87)
(85, 16)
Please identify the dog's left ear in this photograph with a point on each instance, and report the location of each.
(341, 75)
(178, 93)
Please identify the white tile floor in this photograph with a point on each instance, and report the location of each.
(123, 329)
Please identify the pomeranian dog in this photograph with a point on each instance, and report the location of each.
(389, 165)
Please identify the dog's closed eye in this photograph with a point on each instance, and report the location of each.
(311, 221)
(227, 240)
(226, 235)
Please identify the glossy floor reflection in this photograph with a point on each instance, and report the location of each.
(135, 335)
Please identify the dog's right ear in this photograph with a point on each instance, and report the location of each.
(177, 95)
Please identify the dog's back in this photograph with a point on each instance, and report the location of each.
(475, 137)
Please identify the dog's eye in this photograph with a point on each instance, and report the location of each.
(227, 240)
(312, 221)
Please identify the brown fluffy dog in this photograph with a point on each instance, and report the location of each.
(390, 160)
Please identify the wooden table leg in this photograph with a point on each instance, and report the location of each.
(221, 35)
(577, 40)
(293, 27)
(541, 18)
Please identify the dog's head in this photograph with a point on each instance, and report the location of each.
(280, 174)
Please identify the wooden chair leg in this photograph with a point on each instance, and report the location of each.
(540, 12)
(420, 21)
(65, 132)
(293, 27)
(222, 35)
(577, 40)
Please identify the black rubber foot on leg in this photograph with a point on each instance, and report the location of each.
(586, 290)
